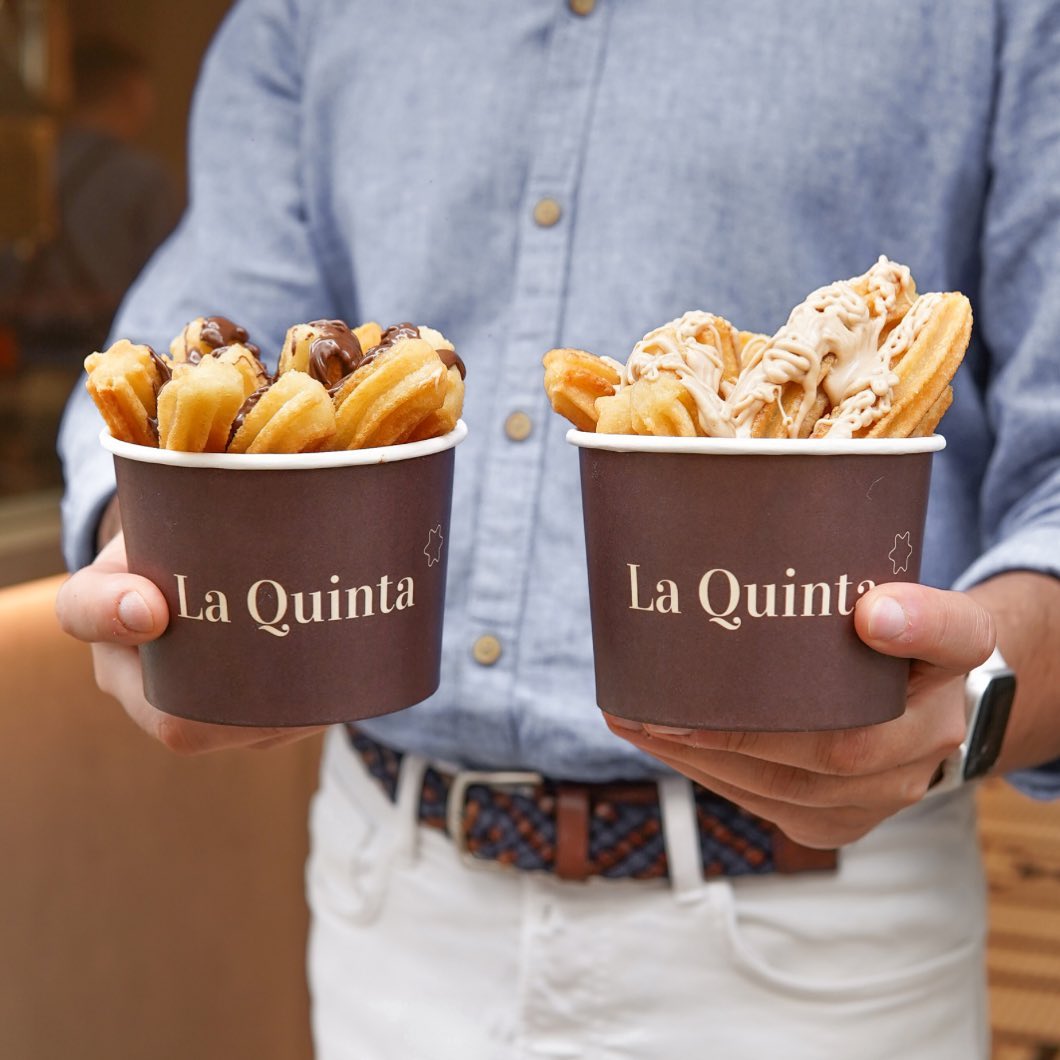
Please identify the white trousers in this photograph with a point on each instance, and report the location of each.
(416, 956)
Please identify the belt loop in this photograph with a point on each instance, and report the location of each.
(397, 838)
(572, 831)
(681, 836)
(407, 804)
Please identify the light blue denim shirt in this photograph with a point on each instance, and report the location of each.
(383, 160)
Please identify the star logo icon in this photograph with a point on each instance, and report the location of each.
(901, 553)
(433, 549)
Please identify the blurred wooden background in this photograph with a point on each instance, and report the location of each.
(154, 908)
(1021, 850)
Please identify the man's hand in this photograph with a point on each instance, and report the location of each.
(828, 789)
(115, 611)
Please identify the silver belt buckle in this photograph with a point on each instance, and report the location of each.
(457, 800)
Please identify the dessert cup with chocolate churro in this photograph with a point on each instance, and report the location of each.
(296, 523)
(741, 492)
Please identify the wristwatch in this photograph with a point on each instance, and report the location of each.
(988, 693)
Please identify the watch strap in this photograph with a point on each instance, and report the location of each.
(988, 692)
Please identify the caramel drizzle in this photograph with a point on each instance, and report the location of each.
(690, 348)
(835, 340)
(859, 400)
(831, 340)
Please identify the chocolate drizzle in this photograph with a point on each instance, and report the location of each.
(220, 331)
(451, 359)
(397, 332)
(165, 373)
(390, 338)
(252, 350)
(244, 411)
(216, 333)
(334, 353)
(393, 335)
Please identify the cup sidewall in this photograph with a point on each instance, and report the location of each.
(764, 652)
(296, 597)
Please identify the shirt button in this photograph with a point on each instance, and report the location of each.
(547, 212)
(486, 650)
(518, 426)
(582, 7)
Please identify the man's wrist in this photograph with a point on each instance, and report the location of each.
(1025, 606)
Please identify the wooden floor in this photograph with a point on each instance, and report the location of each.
(1021, 848)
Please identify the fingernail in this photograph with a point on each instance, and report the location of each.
(134, 613)
(668, 730)
(625, 723)
(887, 619)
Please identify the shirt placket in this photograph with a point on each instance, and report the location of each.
(513, 464)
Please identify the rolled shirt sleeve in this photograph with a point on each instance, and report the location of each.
(243, 248)
(1019, 316)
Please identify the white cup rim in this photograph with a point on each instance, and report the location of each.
(634, 443)
(386, 454)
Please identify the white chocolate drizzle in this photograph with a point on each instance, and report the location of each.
(831, 340)
(689, 348)
(859, 400)
(843, 340)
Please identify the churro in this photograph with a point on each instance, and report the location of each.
(390, 395)
(294, 414)
(923, 360)
(575, 381)
(336, 387)
(865, 357)
(124, 382)
(444, 418)
(202, 336)
(325, 349)
(197, 405)
(244, 359)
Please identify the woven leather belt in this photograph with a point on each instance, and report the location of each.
(581, 830)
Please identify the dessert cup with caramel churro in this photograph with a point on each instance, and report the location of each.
(741, 492)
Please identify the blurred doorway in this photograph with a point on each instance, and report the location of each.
(40, 99)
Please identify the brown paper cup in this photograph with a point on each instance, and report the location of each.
(723, 575)
(302, 590)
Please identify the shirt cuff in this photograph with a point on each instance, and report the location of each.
(1031, 548)
(1042, 783)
